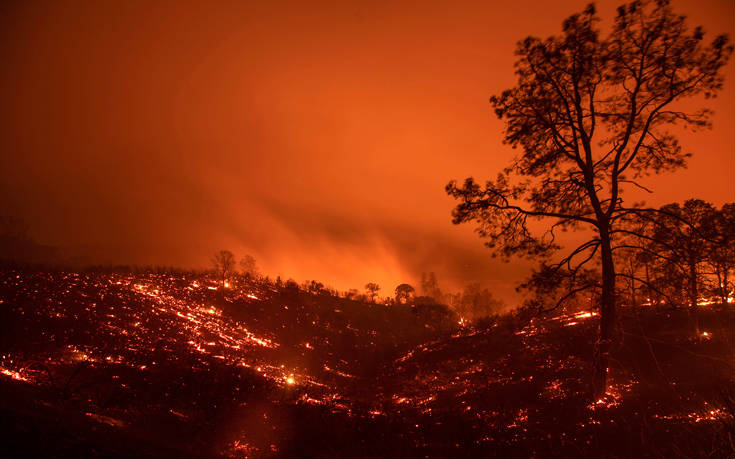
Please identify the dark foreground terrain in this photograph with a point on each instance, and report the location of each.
(163, 365)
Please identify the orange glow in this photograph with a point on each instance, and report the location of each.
(318, 138)
(342, 192)
(13, 374)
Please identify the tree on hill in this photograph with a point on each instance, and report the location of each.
(430, 287)
(686, 252)
(476, 302)
(223, 263)
(248, 266)
(721, 251)
(352, 294)
(591, 117)
(315, 287)
(404, 293)
(372, 291)
(683, 233)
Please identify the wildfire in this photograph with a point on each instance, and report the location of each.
(106, 420)
(156, 316)
(13, 374)
(697, 416)
(584, 315)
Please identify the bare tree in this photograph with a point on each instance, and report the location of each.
(682, 235)
(590, 115)
(430, 287)
(248, 266)
(722, 251)
(223, 263)
(372, 290)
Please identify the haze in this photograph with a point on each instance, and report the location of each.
(316, 136)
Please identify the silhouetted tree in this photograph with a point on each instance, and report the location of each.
(675, 244)
(682, 234)
(628, 265)
(590, 114)
(404, 293)
(430, 286)
(551, 284)
(314, 287)
(721, 251)
(372, 291)
(248, 266)
(291, 288)
(223, 263)
(477, 302)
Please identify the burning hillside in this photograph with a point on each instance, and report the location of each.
(172, 365)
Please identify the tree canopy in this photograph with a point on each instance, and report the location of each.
(404, 293)
(592, 117)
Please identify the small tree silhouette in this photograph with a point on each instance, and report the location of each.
(404, 293)
(372, 291)
(722, 250)
(223, 263)
(248, 266)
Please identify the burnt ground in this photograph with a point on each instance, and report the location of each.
(163, 365)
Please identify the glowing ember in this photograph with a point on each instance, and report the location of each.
(13, 374)
(696, 417)
(149, 324)
(106, 420)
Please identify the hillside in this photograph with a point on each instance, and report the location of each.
(162, 365)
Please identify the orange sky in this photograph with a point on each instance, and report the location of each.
(317, 136)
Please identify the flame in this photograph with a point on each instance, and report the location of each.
(13, 374)
(585, 315)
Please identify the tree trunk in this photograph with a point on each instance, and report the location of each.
(607, 316)
(693, 293)
(633, 299)
(725, 287)
(694, 296)
(651, 300)
(722, 279)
